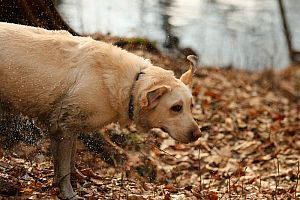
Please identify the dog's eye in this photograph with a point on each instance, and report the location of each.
(176, 108)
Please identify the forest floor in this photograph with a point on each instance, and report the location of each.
(250, 148)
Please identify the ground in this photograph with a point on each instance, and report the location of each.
(250, 148)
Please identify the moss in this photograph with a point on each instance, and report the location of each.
(127, 139)
(141, 43)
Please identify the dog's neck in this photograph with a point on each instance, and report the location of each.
(131, 97)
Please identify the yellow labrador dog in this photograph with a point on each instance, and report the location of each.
(76, 84)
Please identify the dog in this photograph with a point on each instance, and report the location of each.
(76, 84)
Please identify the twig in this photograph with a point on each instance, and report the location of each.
(210, 181)
(122, 181)
(243, 188)
(166, 153)
(260, 185)
(297, 181)
(222, 196)
(199, 163)
(229, 190)
(243, 191)
(152, 144)
(276, 177)
(208, 188)
(238, 179)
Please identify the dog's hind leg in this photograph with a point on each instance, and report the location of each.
(76, 175)
(65, 123)
(61, 147)
(64, 152)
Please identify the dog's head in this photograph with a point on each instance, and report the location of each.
(167, 102)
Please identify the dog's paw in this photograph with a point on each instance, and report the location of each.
(70, 197)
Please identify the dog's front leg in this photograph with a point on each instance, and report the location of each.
(62, 146)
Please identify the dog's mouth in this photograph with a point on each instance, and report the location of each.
(166, 130)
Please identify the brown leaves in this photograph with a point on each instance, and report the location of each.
(211, 195)
(250, 121)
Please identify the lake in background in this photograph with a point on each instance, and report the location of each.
(241, 33)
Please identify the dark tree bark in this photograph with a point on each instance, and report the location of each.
(39, 13)
(294, 55)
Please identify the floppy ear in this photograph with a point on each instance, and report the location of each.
(187, 77)
(151, 97)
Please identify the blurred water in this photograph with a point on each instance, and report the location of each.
(240, 33)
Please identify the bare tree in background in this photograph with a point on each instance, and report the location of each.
(294, 55)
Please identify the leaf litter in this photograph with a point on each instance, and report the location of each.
(250, 148)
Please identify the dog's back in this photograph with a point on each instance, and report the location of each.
(39, 68)
(33, 66)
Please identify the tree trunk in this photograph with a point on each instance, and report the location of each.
(294, 55)
(39, 13)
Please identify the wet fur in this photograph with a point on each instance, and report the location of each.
(76, 84)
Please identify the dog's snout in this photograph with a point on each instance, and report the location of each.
(196, 134)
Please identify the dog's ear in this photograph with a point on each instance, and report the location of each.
(187, 77)
(150, 98)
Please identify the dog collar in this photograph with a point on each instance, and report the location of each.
(131, 98)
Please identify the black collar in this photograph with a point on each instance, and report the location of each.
(131, 98)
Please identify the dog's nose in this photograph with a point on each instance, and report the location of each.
(196, 134)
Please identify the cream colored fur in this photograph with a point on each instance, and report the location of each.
(76, 84)
(48, 64)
